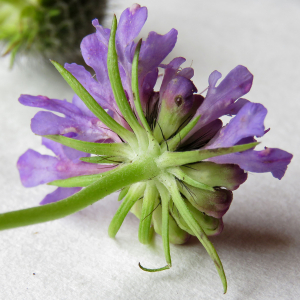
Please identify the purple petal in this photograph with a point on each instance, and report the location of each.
(131, 22)
(155, 49)
(102, 33)
(248, 122)
(236, 84)
(44, 123)
(98, 92)
(187, 73)
(171, 70)
(94, 53)
(59, 194)
(61, 106)
(37, 169)
(63, 151)
(269, 160)
(76, 124)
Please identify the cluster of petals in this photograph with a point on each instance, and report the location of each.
(78, 122)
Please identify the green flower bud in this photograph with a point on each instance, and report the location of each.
(210, 225)
(227, 175)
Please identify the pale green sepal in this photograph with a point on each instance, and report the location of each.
(116, 83)
(79, 181)
(173, 142)
(93, 106)
(123, 193)
(135, 192)
(115, 149)
(176, 235)
(210, 225)
(145, 228)
(154, 270)
(105, 159)
(135, 87)
(184, 177)
(172, 159)
(161, 220)
(137, 208)
(170, 183)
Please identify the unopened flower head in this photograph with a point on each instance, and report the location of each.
(167, 151)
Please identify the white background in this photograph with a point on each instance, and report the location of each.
(73, 258)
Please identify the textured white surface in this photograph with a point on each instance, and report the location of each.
(73, 258)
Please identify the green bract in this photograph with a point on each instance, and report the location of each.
(149, 173)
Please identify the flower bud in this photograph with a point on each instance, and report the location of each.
(210, 225)
(214, 204)
(177, 106)
(176, 234)
(228, 176)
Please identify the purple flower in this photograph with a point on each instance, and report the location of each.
(168, 150)
(167, 110)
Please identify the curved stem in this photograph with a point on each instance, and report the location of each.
(120, 177)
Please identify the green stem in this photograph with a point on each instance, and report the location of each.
(121, 177)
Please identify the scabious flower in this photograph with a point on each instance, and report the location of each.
(168, 151)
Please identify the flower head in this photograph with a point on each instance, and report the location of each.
(168, 151)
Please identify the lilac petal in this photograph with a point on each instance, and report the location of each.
(94, 53)
(102, 33)
(187, 73)
(83, 108)
(235, 107)
(45, 123)
(248, 122)
(269, 160)
(131, 22)
(64, 151)
(155, 49)
(59, 194)
(170, 71)
(236, 84)
(97, 91)
(64, 107)
(76, 124)
(37, 169)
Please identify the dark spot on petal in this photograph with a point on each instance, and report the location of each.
(178, 100)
